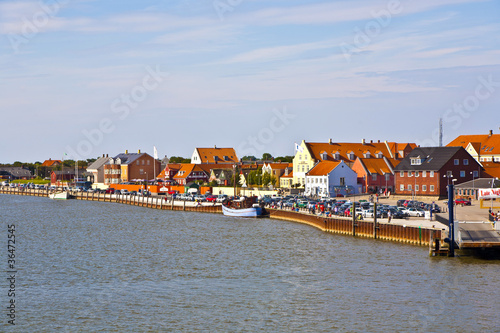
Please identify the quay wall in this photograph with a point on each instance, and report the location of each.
(337, 225)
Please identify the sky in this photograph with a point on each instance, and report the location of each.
(82, 78)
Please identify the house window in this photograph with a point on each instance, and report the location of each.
(424, 188)
(416, 173)
(416, 187)
(137, 163)
(402, 187)
(387, 176)
(409, 187)
(401, 174)
(410, 173)
(374, 176)
(149, 162)
(424, 173)
(142, 162)
(141, 171)
(432, 188)
(431, 174)
(462, 173)
(475, 173)
(466, 162)
(342, 181)
(456, 161)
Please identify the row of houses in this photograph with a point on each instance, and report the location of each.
(325, 168)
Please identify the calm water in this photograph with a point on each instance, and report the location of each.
(106, 267)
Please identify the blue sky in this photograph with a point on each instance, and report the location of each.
(87, 78)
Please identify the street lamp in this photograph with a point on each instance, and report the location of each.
(473, 187)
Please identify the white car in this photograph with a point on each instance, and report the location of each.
(414, 212)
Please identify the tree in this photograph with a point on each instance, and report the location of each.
(267, 157)
(286, 159)
(178, 159)
(266, 179)
(249, 158)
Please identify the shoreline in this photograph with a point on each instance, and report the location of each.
(413, 232)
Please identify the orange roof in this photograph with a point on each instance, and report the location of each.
(376, 165)
(219, 155)
(344, 148)
(50, 162)
(186, 170)
(281, 166)
(492, 168)
(290, 175)
(484, 144)
(323, 168)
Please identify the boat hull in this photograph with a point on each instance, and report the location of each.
(59, 196)
(243, 212)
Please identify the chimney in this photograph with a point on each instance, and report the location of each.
(107, 155)
(103, 155)
(139, 151)
(371, 141)
(362, 141)
(215, 147)
(330, 141)
(491, 132)
(126, 151)
(378, 141)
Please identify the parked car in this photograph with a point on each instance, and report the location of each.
(221, 198)
(110, 190)
(211, 198)
(462, 201)
(415, 212)
(369, 213)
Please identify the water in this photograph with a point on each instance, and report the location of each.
(105, 267)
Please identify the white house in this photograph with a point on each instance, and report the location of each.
(329, 178)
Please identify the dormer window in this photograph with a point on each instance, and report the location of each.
(111, 161)
(416, 160)
(351, 155)
(378, 155)
(324, 156)
(336, 155)
(366, 154)
(118, 161)
(226, 158)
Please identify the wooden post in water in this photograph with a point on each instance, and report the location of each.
(353, 218)
(375, 220)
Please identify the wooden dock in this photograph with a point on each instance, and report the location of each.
(338, 225)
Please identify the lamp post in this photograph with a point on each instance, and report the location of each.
(473, 187)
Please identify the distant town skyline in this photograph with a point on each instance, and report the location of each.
(86, 78)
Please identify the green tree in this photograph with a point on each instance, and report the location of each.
(267, 157)
(249, 158)
(266, 179)
(178, 159)
(285, 159)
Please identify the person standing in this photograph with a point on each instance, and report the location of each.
(389, 216)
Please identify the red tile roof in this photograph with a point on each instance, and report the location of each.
(208, 155)
(50, 162)
(485, 144)
(323, 168)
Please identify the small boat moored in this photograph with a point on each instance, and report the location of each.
(245, 207)
(59, 195)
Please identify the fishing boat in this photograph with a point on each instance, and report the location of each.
(244, 207)
(63, 195)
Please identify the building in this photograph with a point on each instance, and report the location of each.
(169, 171)
(331, 178)
(214, 156)
(309, 153)
(15, 173)
(470, 189)
(277, 170)
(50, 163)
(286, 180)
(375, 174)
(96, 169)
(130, 167)
(427, 171)
(482, 147)
(189, 173)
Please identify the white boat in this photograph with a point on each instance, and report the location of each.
(59, 195)
(242, 212)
